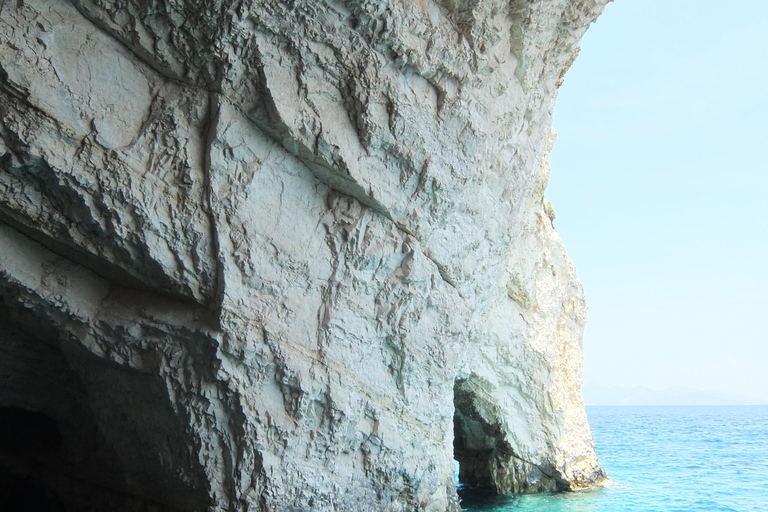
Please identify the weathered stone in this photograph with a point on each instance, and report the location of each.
(265, 255)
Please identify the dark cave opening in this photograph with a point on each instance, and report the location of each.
(27, 494)
(487, 462)
(26, 435)
(54, 457)
(479, 446)
(23, 431)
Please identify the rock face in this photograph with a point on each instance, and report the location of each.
(269, 256)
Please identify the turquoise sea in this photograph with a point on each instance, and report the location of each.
(664, 459)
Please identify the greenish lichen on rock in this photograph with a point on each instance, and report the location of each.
(267, 255)
(550, 211)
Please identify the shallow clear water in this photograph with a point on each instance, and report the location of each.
(665, 459)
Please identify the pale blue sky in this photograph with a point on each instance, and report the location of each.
(660, 185)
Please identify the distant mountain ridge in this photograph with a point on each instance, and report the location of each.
(600, 394)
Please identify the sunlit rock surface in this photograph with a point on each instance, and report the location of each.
(262, 255)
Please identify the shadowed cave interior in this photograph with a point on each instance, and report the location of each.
(26, 435)
(485, 457)
(53, 456)
(478, 445)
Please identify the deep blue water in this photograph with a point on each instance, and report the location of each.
(665, 459)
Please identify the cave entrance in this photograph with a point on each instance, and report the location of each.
(23, 431)
(53, 456)
(479, 444)
(32, 435)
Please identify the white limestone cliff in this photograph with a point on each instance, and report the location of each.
(267, 255)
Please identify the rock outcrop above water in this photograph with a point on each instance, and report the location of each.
(265, 255)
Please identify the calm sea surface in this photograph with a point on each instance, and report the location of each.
(665, 459)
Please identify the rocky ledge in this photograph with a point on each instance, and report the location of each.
(264, 255)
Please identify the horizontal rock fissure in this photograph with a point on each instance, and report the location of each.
(103, 269)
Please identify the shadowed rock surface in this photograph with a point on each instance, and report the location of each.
(276, 256)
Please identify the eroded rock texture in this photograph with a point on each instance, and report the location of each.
(267, 255)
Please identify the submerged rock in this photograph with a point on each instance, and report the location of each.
(267, 255)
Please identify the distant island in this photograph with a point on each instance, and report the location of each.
(600, 394)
